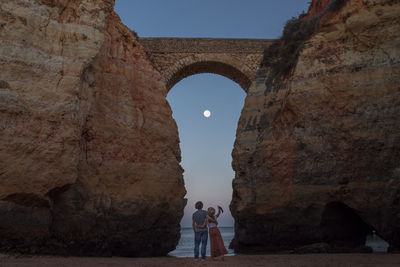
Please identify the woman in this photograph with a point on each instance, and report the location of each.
(218, 249)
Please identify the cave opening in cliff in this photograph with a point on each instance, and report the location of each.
(342, 227)
(206, 142)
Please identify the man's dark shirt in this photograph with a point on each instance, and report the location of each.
(198, 217)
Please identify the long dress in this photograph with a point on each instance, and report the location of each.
(217, 244)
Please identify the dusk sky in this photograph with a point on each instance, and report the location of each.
(207, 143)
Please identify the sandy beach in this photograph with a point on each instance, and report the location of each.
(365, 260)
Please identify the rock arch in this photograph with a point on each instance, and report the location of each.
(341, 225)
(178, 58)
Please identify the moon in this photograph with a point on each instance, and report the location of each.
(207, 113)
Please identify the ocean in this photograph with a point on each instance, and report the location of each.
(186, 243)
(376, 243)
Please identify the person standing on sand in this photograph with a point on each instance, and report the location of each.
(200, 234)
(218, 249)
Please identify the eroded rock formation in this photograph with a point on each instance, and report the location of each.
(89, 152)
(317, 158)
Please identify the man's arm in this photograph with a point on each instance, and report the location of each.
(193, 225)
(203, 225)
(212, 220)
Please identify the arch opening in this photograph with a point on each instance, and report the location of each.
(206, 144)
(214, 67)
(341, 226)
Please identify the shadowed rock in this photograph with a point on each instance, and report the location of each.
(317, 156)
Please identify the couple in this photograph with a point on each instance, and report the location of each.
(201, 221)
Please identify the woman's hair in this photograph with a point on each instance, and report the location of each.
(199, 205)
(211, 211)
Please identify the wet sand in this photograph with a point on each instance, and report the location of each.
(288, 260)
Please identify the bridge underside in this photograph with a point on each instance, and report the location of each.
(210, 67)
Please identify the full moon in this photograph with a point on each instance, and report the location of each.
(207, 113)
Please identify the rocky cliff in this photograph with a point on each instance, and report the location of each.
(89, 152)
(317, 154)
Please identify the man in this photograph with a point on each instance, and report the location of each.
(200, 234)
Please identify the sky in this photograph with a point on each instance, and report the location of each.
(207, 143)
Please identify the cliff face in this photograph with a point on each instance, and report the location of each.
(89, 158)
(318, 159)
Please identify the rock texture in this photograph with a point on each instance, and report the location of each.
(89, 152)
(317, 160)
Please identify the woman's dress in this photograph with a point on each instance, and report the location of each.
(217, 244)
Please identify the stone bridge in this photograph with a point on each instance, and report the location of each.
(178, 58)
